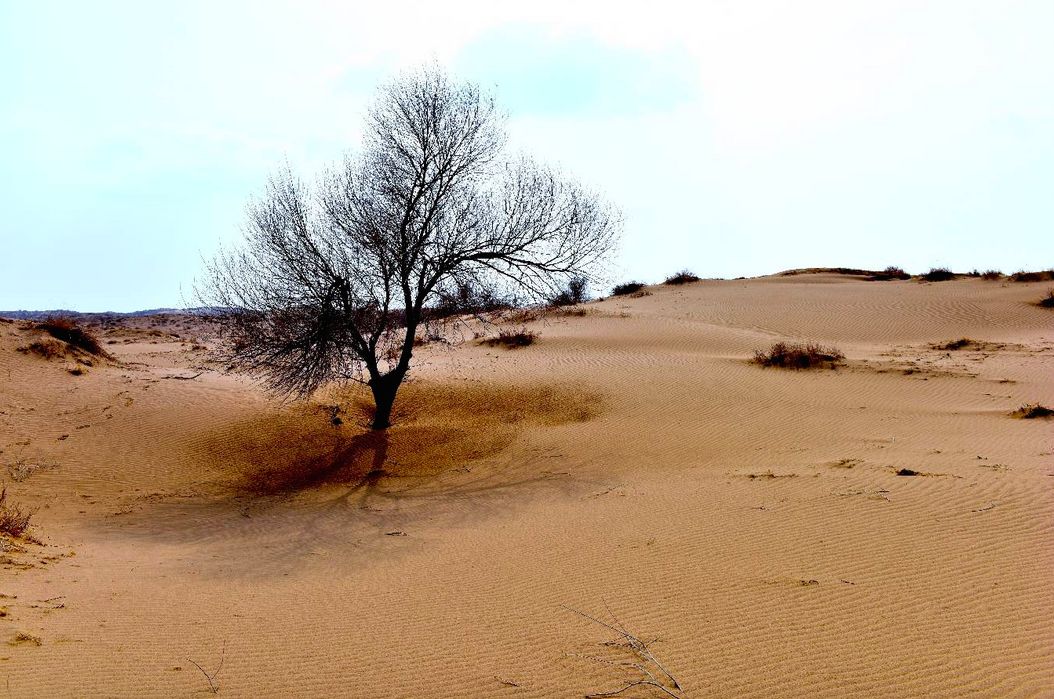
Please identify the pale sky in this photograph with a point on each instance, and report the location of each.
(739, 138)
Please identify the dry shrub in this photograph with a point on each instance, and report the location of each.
(511, 339)
(938, 274)
(849, 271)
(1041, 276)
(436, 428)
(627, 288)
(1032, 411)
(575, 293)
(48, 349)
(67, 330)
(955, 344)
(991, 275)
(1048, 300)
(682, 277)
(798, 356)
(13, 519)
(889, 274)
(22, 638)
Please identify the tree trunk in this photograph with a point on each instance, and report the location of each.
(384, 389)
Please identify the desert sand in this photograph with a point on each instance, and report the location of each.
(632, 463)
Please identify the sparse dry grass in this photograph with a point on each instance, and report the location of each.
(511, 339)
(23, 638)
(13, 519)
(991, 275)
(48, 349)
(1048, 300)
(798, 356)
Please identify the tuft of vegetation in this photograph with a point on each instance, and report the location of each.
(1041, 276)
(798, 356)
(627, 288)
(682, 277)
(67, 330)
(13, 519)
(991, 275)
(511, 340)
(1032, 411)
(25, 638)
(1048, 300)
(938, 274)
(907, 472)
(574, 294)
(955, 344)
(889, 274)
(48, 349)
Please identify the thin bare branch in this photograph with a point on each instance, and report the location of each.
(333, 280)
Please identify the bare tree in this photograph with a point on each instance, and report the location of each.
(332, 282)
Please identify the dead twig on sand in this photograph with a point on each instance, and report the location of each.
(177, 377)
(211, 678)
(652, 672)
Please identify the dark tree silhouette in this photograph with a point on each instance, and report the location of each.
(332, 282)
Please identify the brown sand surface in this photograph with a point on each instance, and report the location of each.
(631, 463)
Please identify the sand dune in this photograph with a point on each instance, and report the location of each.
(632, 463)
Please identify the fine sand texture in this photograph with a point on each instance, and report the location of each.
(749, 524)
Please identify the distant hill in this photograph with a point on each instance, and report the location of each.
(40, 315)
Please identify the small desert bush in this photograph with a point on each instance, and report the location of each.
(67, 330)
(889, 274)
(682, 277)
(627, 288)
(991, 275)
(575, 293)
(511, 340)
(1048, 300)
(13, 519)
(798, 356)
(938, 274)
(48, 349)
(1031, 411)
(1041, 276)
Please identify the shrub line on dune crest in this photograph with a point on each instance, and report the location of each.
(682, 277)
(627, 288)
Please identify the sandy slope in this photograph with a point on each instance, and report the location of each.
(630, 463)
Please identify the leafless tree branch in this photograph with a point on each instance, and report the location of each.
(334, 280)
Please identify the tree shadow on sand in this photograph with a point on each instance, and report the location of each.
(289, 483)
